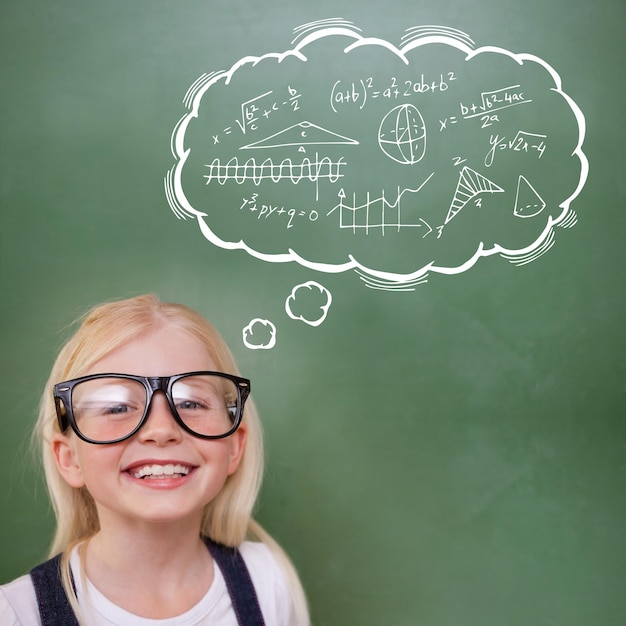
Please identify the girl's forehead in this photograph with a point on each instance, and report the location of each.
(164, 351)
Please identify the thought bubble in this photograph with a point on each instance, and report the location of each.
(309, 303)
(259, 334)
(348, 152)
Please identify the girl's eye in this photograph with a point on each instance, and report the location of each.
(117, 409)
(121, 410)
(187, 405)
(106, 410)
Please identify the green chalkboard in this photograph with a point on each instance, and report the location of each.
(407, 221)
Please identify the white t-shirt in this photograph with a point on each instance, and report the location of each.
(18, 603)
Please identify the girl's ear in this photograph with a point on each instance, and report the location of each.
(64, 451)
(237, 443)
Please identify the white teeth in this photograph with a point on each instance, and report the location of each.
(161, 470)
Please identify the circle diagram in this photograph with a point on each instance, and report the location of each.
(402, 134)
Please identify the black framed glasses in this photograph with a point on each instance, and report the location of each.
(108, 408)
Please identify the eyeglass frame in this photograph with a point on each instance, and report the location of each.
(65, 410)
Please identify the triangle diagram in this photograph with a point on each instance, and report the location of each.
(470, 184)
(302, 134)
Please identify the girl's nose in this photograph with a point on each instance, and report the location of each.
(160, 426)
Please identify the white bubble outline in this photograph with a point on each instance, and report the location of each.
(310, 284)
(248, 329)
(173, 179)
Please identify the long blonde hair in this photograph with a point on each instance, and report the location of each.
(228, 518)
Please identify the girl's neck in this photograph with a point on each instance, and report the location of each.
(152, 570)
(126, 540)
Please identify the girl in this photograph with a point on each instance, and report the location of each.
(153, 467)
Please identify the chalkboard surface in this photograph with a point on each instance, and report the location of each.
(407, 221)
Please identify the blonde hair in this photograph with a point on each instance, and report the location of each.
(228, 518)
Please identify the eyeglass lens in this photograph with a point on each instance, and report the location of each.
(109, 408)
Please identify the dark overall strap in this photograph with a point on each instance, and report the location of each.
(240, 587)
(54, 607)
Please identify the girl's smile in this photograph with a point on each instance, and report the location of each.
(160, 474)
(159, 470)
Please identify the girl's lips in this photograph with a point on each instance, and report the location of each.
(161, 471)
(150, 476)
